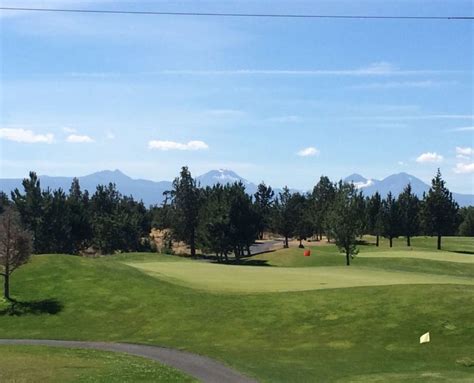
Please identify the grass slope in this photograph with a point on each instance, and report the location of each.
(49, 364)
(354, 334)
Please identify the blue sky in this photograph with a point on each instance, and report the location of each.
(280, 100)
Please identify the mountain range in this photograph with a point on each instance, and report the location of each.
(151, 192)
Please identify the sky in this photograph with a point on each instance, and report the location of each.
(278, 100)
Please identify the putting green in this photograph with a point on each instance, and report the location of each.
(248, 279)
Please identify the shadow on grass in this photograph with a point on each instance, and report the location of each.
(462, 252)
(46, 306)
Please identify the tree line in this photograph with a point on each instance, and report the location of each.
(225, 220)
(61, 222)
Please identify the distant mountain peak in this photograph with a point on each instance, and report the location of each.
(222, 176)
(355, 177)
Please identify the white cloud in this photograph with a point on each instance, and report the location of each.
(78, 139)
(110, 135)
(401, 163)
(429, 157)
(172, 145)
(25, 136)
(462, 157)
(467, 151)
(463, 168)
(307, 152)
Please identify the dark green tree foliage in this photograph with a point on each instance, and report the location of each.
(409, 205)
(304, 224)
(374, 216)
(286, 214)
(228, 221)
(30, 207)
(118, 223)
(105, 218)
(162, 216)
(242, 219)
(4, 202)
(439, 210)
(186, 205)
(466, 228)
(391, 218)
(55, 229)
(323, 195)
(77, 203)
(214, 230)
(344, 220)
(264, 199)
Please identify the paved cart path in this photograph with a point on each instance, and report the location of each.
(200, 367)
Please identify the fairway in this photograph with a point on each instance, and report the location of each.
(216, 277)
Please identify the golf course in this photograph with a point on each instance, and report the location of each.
(276, 317)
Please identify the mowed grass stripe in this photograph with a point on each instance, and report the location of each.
(249, 279)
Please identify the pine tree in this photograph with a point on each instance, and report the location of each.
(186, 205)
(263, 203)
(391, 218)
(409, 205)
(344, 219)
(286, 215)
(374, 216)
(30, 207)
(323, 195)
(79, 219)
(439, 210)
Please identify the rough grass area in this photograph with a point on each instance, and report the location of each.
(49, 364)
(249, 279)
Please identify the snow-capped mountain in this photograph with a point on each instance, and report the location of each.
(395, 183)
(225, 176)
(359, 181)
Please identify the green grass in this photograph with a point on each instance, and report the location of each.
(215, 277)
(49, 364)
(360, 334)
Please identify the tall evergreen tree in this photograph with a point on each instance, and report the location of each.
(409, 205)
(30, 207)
(285, 215)
(242, 220)
(466, 228)
(264, 199)
(391, 218)
(323, 195)
(4, 202)
(304, 222)
(439, 210)
(374, 216)
(214, 230)
(344, 219)
(186, 205)
(79, 220)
